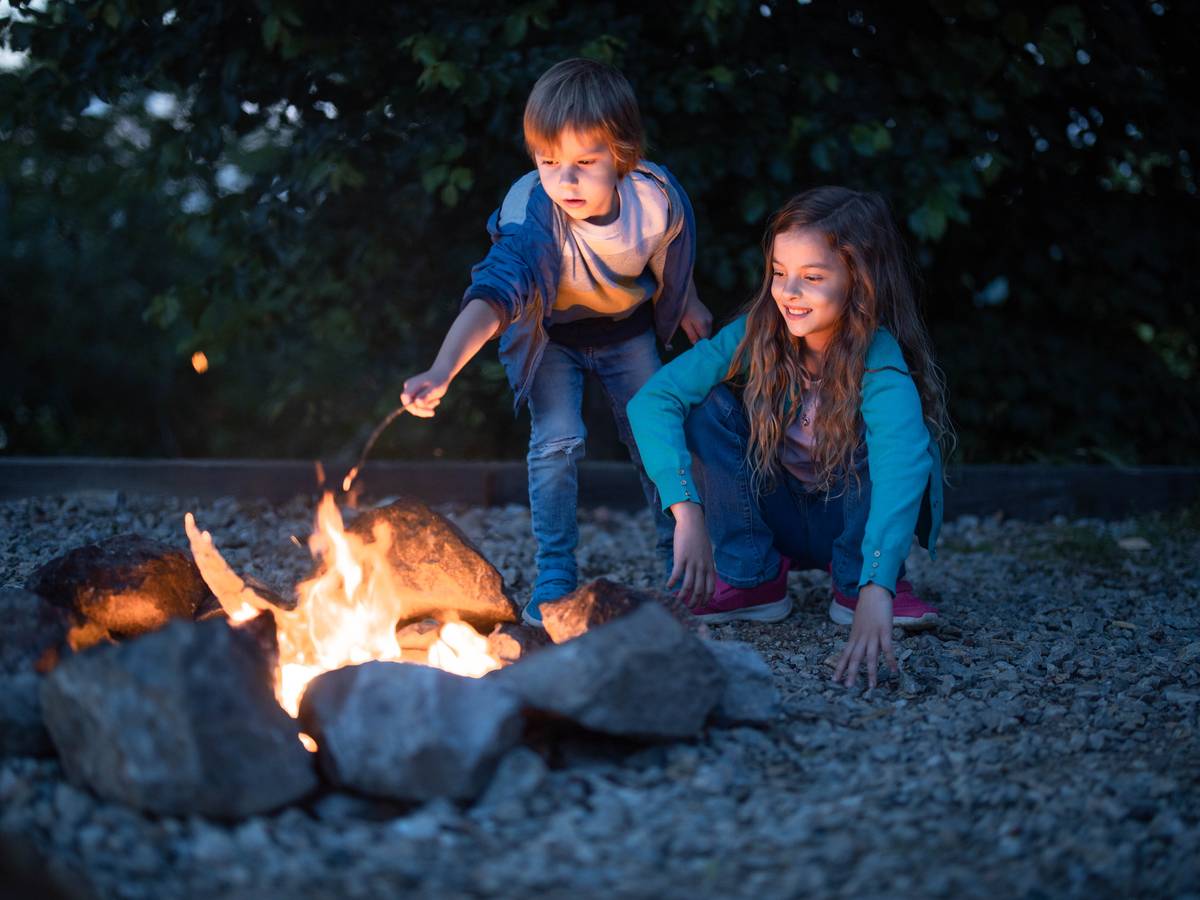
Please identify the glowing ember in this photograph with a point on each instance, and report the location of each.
(199, 362)
(307, 740)
(244, 613)
(346, 614)
(462, 650)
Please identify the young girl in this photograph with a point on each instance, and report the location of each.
(806, 432)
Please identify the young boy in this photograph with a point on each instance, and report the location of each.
(591, 257)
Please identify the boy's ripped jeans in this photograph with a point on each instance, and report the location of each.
(556, 443)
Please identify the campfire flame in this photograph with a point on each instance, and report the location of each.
(346, 613)
(462, 650)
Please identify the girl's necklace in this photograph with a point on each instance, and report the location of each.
(805, 407)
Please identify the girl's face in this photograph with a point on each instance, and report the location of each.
(810, 284)
(580, 175)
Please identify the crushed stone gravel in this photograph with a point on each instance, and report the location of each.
(1043, 742)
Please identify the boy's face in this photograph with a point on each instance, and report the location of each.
(580, 175)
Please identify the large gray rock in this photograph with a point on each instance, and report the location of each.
(641, 675)
(33, 633)
(750, 696)
(439, 572)
(519, 776)
(409, 732)
(121, 587)
(180, 721)
(602, 600)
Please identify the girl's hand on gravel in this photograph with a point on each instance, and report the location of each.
(870, 633)
(693, 555)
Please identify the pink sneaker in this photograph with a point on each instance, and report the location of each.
(766, 602)
(908, 610)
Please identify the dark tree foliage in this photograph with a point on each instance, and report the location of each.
(298, 188)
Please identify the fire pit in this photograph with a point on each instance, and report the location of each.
(348, 612)
(400, 666)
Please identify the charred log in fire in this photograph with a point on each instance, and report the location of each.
(367, 580)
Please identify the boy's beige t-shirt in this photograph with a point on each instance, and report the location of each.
(606, 268)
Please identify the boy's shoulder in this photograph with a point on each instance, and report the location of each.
(661, 174)
(654, 170)
(515, 208)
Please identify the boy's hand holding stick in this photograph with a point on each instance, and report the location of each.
(422, 393)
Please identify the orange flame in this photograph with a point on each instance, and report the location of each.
(462, 650)
(199, 362)
(346, 614)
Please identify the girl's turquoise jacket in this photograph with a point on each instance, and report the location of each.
(904, 461)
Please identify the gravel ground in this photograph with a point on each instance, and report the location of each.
(1042, 743)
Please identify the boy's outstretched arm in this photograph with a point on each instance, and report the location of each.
(475, 326)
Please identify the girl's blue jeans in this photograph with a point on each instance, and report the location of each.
(556, 443)
(750, 531)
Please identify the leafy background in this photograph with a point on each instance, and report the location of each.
(297, 189)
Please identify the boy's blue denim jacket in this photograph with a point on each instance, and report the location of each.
(519, 276)
(903, 459)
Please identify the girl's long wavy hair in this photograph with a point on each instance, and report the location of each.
(768, 363)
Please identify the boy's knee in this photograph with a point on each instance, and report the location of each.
(571, 446)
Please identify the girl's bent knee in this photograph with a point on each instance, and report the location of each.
(716, 416)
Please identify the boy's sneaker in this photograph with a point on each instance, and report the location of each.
(532, 615)
(550, 591)
(766, 602)
(554, 589)
(908, 610)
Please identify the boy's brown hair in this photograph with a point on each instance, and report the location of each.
(588, 97)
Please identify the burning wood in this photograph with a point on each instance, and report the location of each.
(362, 459)
(346, 613)
(240, 600)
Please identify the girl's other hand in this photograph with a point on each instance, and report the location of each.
(693, 555)
(870, 633)
(422, 393)
(697, 320)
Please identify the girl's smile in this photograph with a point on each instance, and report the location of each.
(809, 283)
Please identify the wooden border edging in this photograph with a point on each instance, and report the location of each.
(1035, 492)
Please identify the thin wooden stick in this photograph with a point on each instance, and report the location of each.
(353, 473)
